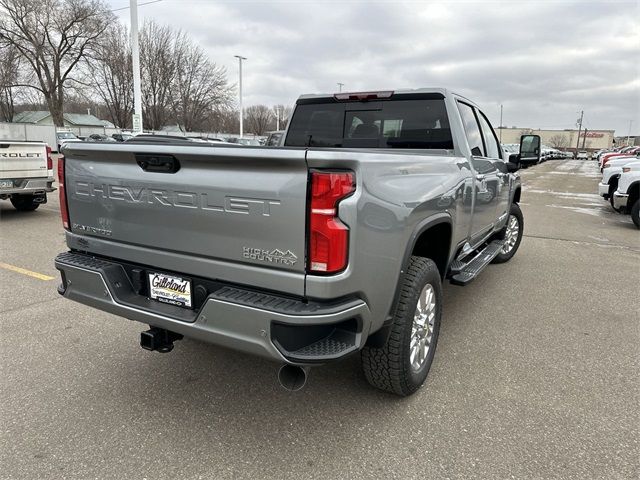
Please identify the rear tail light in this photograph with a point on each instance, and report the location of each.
(64, 210)
(49, 159)
(328, 236)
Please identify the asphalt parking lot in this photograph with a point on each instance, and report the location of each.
(536, 373)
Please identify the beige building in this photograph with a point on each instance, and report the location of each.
(561, 139)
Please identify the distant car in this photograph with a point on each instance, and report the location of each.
(121, 137)
(65, 137)
(273, 140)
(627, 197)
(250, 142)
(582, 155)
(98, 137)
(622, 153)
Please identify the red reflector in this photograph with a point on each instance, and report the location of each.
(64, 210)
(363, 96)
(328, 236)
(49, 159)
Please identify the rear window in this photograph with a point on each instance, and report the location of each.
(420, 124)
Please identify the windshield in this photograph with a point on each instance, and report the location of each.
(421, 124)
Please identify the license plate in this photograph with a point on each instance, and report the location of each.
(6, 183)
(170, 289)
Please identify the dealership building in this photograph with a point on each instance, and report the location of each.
(590, 140)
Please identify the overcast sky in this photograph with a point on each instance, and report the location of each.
(543, 60)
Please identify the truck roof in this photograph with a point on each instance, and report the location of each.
(401, 91)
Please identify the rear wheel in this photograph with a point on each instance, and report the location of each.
(635, 213)
(511, 234)
(402, 364)
(24, 203)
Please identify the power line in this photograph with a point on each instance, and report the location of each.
(140, 4)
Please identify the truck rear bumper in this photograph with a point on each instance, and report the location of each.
(29, 186)
(276, 327)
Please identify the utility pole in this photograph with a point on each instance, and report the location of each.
(277, 118)
(135, 54)
(629, 134)
(579, 129)
(340, 85)
(584, 139)
(240, 59)
(500, 123)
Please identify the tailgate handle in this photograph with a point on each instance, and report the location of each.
(157, 163)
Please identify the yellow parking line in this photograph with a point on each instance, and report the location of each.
(24, 271)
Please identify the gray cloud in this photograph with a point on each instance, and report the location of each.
(544, 60)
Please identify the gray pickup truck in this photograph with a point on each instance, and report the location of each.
(334, 243)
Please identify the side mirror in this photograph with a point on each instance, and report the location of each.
(530, 148)
(512, 167)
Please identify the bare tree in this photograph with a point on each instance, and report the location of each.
(285, 114)
(112, 75)
(199, 85)
(158, 66)
(258, 119)
(9, 78)
(53, 36)
(559, 141)
(223, 119)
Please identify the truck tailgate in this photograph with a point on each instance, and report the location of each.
(245, 206)
(23, 160)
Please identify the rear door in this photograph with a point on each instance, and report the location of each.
(23, 160)
(238, 206)
(486, 172)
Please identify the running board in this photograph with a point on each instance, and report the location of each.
(463, 273)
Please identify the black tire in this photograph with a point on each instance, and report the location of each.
(514, 212)
(24, 203)
(635, 213)
(389, 367)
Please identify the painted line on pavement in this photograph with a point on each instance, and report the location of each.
(24, 271)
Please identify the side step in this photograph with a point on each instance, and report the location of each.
(463, 273)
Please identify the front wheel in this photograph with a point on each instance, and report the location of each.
(511, 234)
(635, 213)
(402, 364)
(24, 203)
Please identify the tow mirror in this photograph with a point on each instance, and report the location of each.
(512, 167)
(530, 148)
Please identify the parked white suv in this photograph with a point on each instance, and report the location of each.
(611, 174)
(627, 196)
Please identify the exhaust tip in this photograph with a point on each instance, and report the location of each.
(292, 377)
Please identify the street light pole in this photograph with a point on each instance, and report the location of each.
(240, 59)
(340, 85)
(135, 54)
(500, 123)
(579, 130)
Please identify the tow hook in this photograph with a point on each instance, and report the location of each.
(159, 339)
